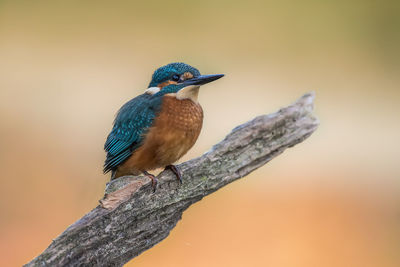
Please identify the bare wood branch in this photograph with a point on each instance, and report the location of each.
(131, 218)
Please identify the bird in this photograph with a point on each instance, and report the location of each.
(155, 129)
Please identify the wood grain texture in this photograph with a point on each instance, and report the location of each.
(132, 219)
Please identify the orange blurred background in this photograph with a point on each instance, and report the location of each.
(67, 66)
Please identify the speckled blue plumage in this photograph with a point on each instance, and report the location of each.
(165, 72)
(129, 125)
(137, 115)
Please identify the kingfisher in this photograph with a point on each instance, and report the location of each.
(158, 127)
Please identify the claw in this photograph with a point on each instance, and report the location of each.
(154, 180)
(176, 171)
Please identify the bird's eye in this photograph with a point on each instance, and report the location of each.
(176, 77)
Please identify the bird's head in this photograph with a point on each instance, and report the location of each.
(179, 78)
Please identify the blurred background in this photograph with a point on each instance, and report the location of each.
(67, 66)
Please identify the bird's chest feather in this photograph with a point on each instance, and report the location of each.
(180, 116)
(177, 127)
(173, 133)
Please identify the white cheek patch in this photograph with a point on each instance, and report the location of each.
(152, 90)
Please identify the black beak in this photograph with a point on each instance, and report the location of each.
(202, 79)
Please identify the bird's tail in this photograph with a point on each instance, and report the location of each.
(113, 172)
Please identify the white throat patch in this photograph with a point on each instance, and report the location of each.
(190, 92)
(152, 90)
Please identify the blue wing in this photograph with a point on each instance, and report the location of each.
(132, 120)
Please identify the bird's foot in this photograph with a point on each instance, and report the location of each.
(176, 171)
(154, 180)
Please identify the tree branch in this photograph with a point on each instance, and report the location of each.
(131, 218)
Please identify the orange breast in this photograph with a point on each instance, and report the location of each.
(173, 133)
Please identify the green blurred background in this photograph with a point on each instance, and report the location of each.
(67, 66)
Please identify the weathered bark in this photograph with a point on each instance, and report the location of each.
(131, 218)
